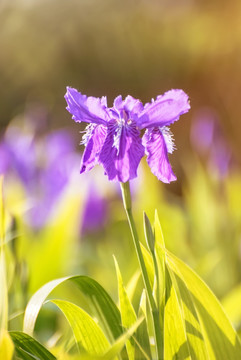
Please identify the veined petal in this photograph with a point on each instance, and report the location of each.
(157, 155)
(164, 110)
(93, 140)
(121, 158)
(88, 109)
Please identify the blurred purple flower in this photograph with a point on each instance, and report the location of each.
(202, 131)
(95, 212)
(43, 165)
(208, 140)
(53, 176)
(113, 139)
(18, 155)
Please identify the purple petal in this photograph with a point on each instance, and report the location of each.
(130, 104)
(164, 110)
(157, 155)
(122, 152)
(94, 140)
(87, 109)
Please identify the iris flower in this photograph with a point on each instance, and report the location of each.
(113, 135)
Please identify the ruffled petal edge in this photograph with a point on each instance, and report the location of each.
(157, 155)
(164, 110)
(88, 109)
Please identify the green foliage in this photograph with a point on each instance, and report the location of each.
(192, 312)
(104, 307)
(128, 315)
(231, 304)
(88, 335)
(193, 324)
(3, 272)
(27, 348)
(6, 346)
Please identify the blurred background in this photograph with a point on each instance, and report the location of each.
(137, 47)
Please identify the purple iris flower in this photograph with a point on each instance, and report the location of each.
(43, 165)
(95, 211)
(18, 154)
(208, 140)
(113, 135)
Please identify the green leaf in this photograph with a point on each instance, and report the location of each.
(118, 345)
(120, 342)
(231, 304)
(149, 264)
(28, 348)
(132, 284)
(195, 325)
(143, 349)
(6, 346)
(87, 333)
(160, 252)
(3, 272)
(128, 315)
(56, 240)
(175, 338)
(3, 293)
(106, 310)
(194, 331)
(206, 320)
(35, 303)
(150, 239)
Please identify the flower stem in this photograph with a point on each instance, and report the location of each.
(126, 196)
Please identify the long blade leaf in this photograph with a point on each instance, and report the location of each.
(105, 308)
(87, 333)
(27, 348)
(220, 338)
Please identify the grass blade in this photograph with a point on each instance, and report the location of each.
(105, 308)
(27, 348)
(88, 335)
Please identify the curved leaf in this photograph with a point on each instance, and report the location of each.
(28, 348)
(200, 328)
(118, 345)
(128, 315)
(120, 342)
(206, 320)
(87, 333)
(175, 337)
(105, 308)
(143, 349)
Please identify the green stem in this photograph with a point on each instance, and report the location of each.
(126, 196)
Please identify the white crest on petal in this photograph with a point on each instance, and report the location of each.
(169, 139)
(117, 136)
(87, 134)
